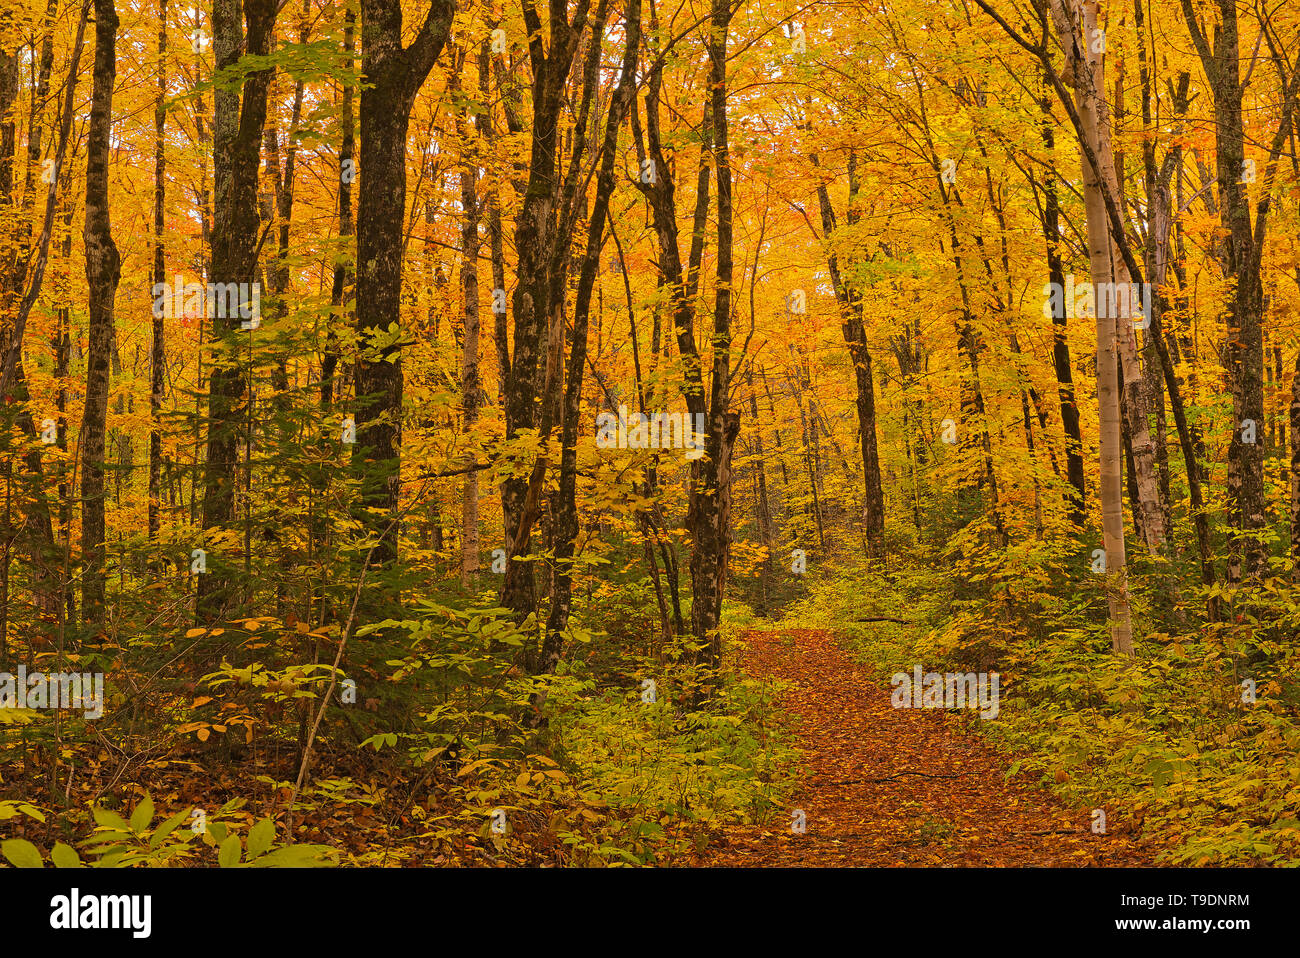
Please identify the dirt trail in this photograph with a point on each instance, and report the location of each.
(883, 786)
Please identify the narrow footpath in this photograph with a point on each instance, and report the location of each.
(881, 786)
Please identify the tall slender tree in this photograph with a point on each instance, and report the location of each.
(103, 271)
(157, 349)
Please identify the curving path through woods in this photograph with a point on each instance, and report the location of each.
(882, 786)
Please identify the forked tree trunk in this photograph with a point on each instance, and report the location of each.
(534, 373)
(236, 141)
(392, 76)
(566, 520)
(709, 514)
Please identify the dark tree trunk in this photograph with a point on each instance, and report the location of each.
(281, 208)
(1295, 471)
(710, 497)
(393, 76)
(1241, 254)
(766, 529)
(709, 515)
(850, 304)
(1060, 349)
(343, 264)
(566, 519)
(533, 378)
(496, 239)
(103, 270)
(17, 274)
(37, 532)
(157, 351)
(236, 139)
(38, 529)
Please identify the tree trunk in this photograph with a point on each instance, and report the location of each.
(1133, 382)
(343, 272)
(709, 515)
(37, 531)
(103, 270)
(566, 519)
(1241, 253)
(11, 348)
(157, 348)
(471, 390)
(238, 123)
(534, 373)
(766, 531)
(1295, 471)
(1075, 20)
(392, 78)
(1060, 347)
(850, 305)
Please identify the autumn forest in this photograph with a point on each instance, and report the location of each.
(649, 432)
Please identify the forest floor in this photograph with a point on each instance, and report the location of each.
(881, 786)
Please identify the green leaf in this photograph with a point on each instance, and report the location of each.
(228, 856)
(108, 819)
(142, 815)
(21, 853)
(64, 856)
(298, 856)
(260, 837)
(379, 740)
(166, 828)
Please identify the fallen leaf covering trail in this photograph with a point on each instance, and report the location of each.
(881, 786)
